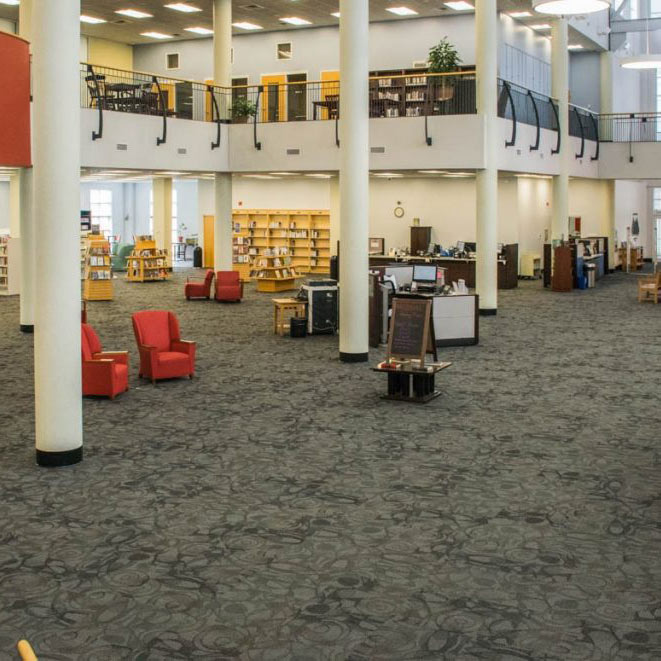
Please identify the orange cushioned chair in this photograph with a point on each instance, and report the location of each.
(229, 287)
(199, 289)
(163, 354)
(105, 373)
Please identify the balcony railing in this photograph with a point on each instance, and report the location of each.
(630, 127)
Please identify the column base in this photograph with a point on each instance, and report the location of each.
(27, 328)
(55, 459)
(354, 357)
(488, 312)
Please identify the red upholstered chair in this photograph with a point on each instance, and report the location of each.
(163, 354)
(105, 373)
(199, 289)
(229, 287)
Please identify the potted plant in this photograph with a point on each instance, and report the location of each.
(242, 109)
(443, 58)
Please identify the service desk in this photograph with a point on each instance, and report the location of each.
(456, 318)
(460, 268)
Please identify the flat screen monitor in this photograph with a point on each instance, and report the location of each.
(470, 246)
(403, 275)
(424, 273)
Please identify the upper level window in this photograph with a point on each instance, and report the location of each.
(284, 51)
(101, 208)
(172, 61)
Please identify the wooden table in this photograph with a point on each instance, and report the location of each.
(409, 384)
(283, 310)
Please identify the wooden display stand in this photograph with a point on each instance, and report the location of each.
(635, 261)
(303, 236)
(147, 263)
(9, 265)
(562, 279)
(274, 273)
(97, 284)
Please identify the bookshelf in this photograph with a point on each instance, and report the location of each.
(97, 284)
(303, 236)
(9, 265)
(274, 273)
(147, 263)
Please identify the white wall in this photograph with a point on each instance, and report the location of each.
(4, 207)
(248, 193)
(590, 200)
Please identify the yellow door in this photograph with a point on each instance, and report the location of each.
(330, 92)
(208, 242)
(274, 98)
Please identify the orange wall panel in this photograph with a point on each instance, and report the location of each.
(14, 101)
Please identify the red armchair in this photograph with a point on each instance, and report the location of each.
(229, 287)
(105, 373)
(199, 289)
(163, 354)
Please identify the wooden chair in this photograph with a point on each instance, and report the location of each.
(649, 286)
(25, 650)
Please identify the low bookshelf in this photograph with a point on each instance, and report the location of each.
(147, 263)
(274, 273)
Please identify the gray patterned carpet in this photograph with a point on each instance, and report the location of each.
(276, 508)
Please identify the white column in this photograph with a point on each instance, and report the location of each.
(354, 180)
(222, 227)
(222, 75)
(56, 156)
(560, 90)
(26, 220)
(162, 191)
(28, 265)
(486, 37)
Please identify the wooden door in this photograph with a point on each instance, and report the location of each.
(330, 87)
(274, 98)
(208, 254)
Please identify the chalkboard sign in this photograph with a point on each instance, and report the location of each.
(409, 329)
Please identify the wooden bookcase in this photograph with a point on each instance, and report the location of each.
(302, 236)
(97, 283)
(635, 258)
(9, 265)
(274, 273)
(147, 263)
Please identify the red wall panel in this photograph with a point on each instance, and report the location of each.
(14, 101)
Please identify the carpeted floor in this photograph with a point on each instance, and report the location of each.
(276, 508)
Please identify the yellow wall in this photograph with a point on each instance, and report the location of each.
(110, 54)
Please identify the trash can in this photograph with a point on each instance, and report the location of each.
(591, 274)
(298, 327)
(197, 257)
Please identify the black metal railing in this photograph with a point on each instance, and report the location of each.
(582, 123)
(528, 106)
(630, 127)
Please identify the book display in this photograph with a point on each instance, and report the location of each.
(301, 236)
(97, 284)
(274, 273)
(146, 263)
(9, 265)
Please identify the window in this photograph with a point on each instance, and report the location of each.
(101, 208)
(284, 51)
(172, 61)
(655, 8)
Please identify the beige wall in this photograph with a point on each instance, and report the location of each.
(109, 53)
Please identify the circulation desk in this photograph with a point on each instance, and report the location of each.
(460, 268)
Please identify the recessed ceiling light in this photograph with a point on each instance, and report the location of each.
(284, 174)
(575, 47)
(402, 11)
(387, 174)
(93, 20)
(133, 13)
(336, 14)
(182, 6)
(319, 175)
(244, 25)
(259, 176)
(459, 5)
(569, 7)
(432, 171)
(199, 30)
(294, 20)
(540, 26)
(156, 35)
(519, 14)
(10, 2)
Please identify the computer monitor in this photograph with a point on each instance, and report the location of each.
(424, 274)
(470, 246)
(460, 246)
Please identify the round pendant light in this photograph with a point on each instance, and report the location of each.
(570, 7)
(641, 62)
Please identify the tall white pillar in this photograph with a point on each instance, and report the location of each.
(26, 219)
(560, 90)
(486, 37)
(28, 262)
(222, 75)
(56, 156)
(354, 180)
(162, 192)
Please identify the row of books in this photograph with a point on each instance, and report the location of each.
(99, 275)
(96, 260)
